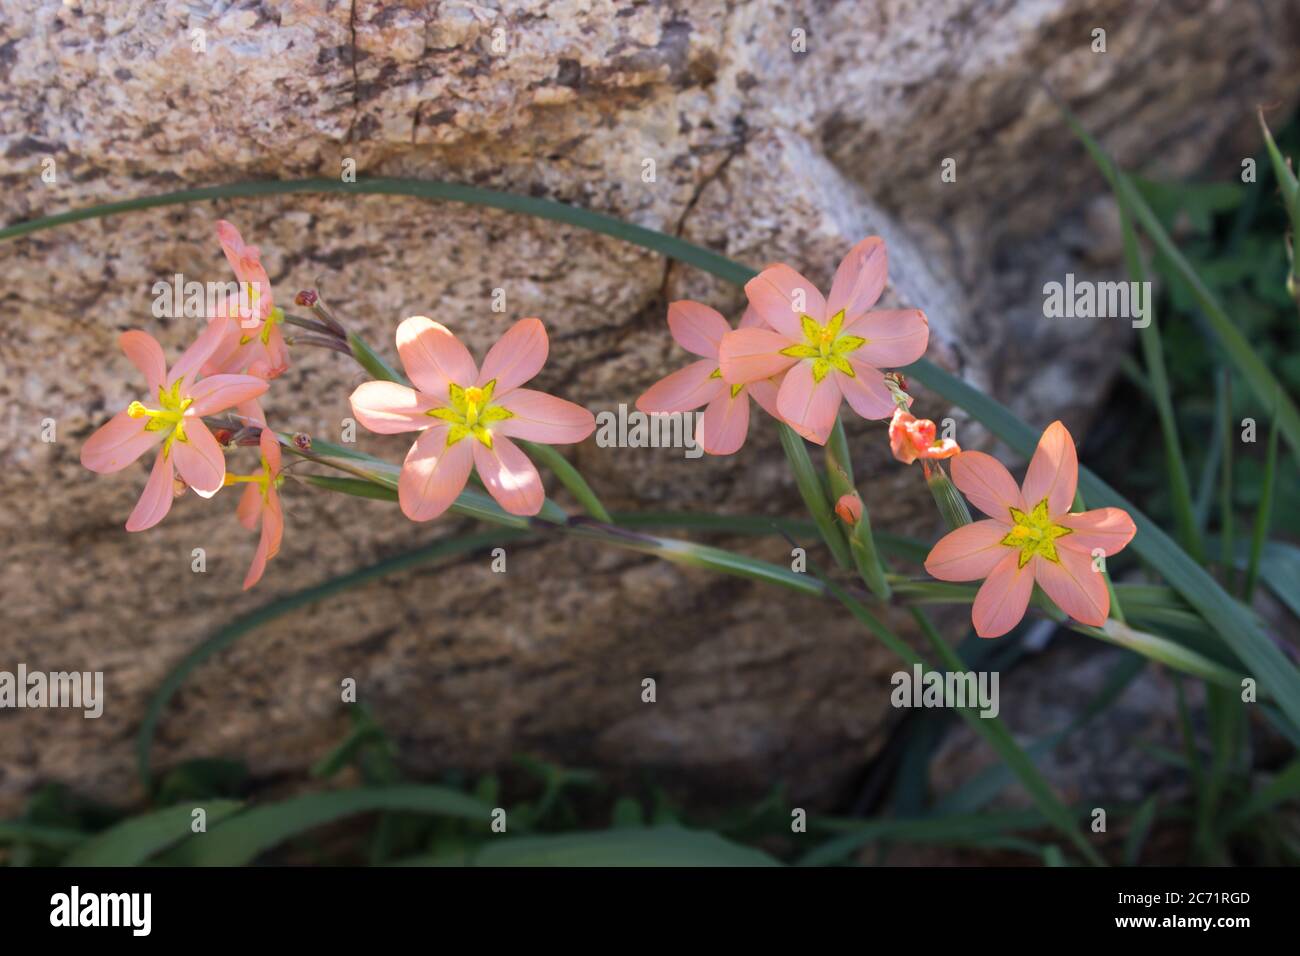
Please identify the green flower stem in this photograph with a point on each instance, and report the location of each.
(810, 487)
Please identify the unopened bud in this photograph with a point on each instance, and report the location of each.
(307, 297)
(849, 509)
(949, 500)
(302, 441)
(223, 436)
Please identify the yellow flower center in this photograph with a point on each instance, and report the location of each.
(825, 346)
(169, 418)
(271, 321)
(262, 479)
(471, 413)
(1034, 533)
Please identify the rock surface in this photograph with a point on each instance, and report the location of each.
(775, 132)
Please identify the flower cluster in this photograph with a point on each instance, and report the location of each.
(797, 353)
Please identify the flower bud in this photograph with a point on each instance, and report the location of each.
(849, 509)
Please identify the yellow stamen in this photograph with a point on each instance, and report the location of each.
(1034, 533)
(826, 346)
(471, 412)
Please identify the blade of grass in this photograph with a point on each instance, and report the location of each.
(1226, 565)
(133, 841)
(243, 838)
(1153, 352)
(1253, 369)
(1263, 516)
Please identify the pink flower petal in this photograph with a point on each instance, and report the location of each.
(147, 355)
(216, 393)
(1110, 529)
(1002, 599)
(749, 354)
(433, 474)
(1074, 586)
(895, 337)
(118, 442)
(273, 515)
(516, 357)
(968, 553)
(866, 391)
(1053, 471)
(246, 261)
(156, 499)
(725, 424)
(433, 357)
(249, 511)
(199, 459)
(509, 476)
(387, 408)
(808, 405)
(859, 280)
(764, 391)
(775, 294)
(697, 328)
(751, 319)
(199, 352)
(269, 445)
(544, 418)
(987, 484)
(682, 390)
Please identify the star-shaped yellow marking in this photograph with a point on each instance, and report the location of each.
(826, 346)
(1034, 533)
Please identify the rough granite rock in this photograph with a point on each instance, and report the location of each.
(776, 132)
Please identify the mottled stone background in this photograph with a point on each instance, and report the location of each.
(760, 152)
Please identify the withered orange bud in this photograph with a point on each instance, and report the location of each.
(223, 436)
(307, 297)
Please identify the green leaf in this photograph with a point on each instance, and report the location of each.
(242, 839)
(853, 835)
(352, 486)
(135, 840)
(624, 846)
(36, 834)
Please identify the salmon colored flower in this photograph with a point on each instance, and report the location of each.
(725, 423)
(177, 423)
(911, 438)
(261, 503)
(254, 337)
(467, 416)
(1030, 535)
(849, 509)
(825, 348)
